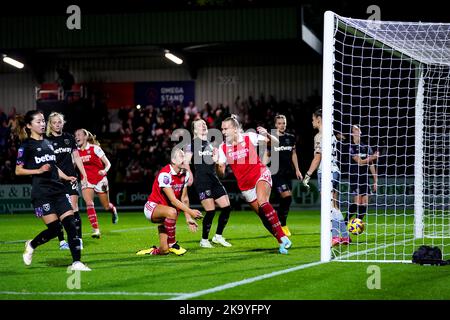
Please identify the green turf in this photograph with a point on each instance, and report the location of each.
(116, 268)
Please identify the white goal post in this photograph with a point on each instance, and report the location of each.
(391, 81)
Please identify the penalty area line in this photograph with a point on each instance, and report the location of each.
(245, 281)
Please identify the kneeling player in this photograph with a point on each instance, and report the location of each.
(168, 197)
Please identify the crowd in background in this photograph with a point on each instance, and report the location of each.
(138, 142)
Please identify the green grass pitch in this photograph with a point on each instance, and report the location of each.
(250, 269)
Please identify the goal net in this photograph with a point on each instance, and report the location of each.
(386, 90)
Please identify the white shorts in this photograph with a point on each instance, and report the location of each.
(149, 208)
(101, 187)
(250, 195)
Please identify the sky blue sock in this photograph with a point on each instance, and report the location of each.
(335, 228)
(343, 228)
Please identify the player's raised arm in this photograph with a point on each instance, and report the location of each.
(269, 137)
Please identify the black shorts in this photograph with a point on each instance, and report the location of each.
(59, 205)
(209, 187)
(359, 184)
(281, 183)
(72, 188)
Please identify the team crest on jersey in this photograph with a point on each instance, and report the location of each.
(66, 141)
(46, 207)
(55, 144)
(39, 149)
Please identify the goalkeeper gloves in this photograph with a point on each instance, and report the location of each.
(306, 180)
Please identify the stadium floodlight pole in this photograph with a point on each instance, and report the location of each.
(327, 130)
(13, 62)
(418, 157)
(172, 57)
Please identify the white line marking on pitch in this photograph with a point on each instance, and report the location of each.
(351, 254)
(131, 229)
(245, 281)
(73, 293)
(13, 241)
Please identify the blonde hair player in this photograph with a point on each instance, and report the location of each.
(169, 196)
(66, 156)
(96, 165)
(253, 178)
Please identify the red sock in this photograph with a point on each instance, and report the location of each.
(92, 215)
(169, 224)
(272, 217)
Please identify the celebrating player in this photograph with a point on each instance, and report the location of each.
(96, 165)
(253, 178)
(51, 203)
(66, 154)
(209, 188)
(169, 196)
(286, 155)
(362, 157)
(339, 230)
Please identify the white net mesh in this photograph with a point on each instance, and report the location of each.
(392, 80)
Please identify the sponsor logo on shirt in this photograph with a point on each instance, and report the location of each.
(177, 187)
(205, 153)
(86, 158)
(63, 150)
(45, 158)
(239, 154)
(283, 148)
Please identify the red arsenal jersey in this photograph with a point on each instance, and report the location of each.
(91, 157)
(168, 178)
(243, 160)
